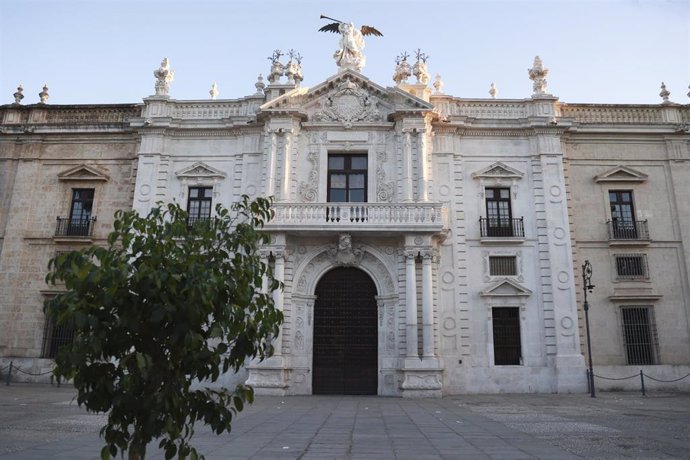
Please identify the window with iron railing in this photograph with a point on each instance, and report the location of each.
(80, 221)
(502, 265)
(199, 204)
(631, 266)
(640, 338)
(55, 337)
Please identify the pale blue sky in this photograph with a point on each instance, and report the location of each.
(104, 51)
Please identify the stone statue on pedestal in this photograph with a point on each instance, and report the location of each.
(349, 55)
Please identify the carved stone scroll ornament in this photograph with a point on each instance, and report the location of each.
(348, 103)
(384, 190)
(309, 190)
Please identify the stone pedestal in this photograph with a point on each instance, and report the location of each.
(268, 377)
(422, 378)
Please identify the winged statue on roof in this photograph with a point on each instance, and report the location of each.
(349, 55)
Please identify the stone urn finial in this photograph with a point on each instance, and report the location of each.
(420, 70)
(43, 95)
(293, 69)
(438, 84)
(538, 75)
(19, 95)
(493, 91)
(403, 71)
(214, 90)
(164, 75)
(260, 85)
(277, 68)
(664, 94)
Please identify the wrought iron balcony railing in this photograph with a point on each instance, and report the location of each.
(501, 228)
(365, 216)
(628, 230)
(75, 227)
(194, 220)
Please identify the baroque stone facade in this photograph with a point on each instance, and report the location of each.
(471, 217)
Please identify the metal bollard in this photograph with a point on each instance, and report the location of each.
(9, 374)
(589, 382)
(642, 383)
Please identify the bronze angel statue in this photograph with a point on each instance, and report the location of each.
(349, 55)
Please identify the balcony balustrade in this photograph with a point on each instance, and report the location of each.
(628, 230)
(501, 228)
(79, 228)
(427, 217)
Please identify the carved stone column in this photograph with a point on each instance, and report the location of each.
(411, 304)
(427, 306)
(407, 167)
(271, 160)
(287, 163)
(278, 296)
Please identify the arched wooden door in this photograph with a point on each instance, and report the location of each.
(345, 334)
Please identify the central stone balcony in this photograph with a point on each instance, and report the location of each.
(359, 217)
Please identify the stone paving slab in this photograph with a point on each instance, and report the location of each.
(42, 421)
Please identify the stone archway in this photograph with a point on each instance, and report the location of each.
(345, 353)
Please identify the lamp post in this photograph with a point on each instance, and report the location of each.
(588, 286)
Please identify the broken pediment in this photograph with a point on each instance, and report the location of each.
(200, 170)
(346, 98)
(506, 288)
(83, 172)
(621, 174)
(498, 170)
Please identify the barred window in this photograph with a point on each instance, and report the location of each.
(631, 266)
(502, 265)
(506, 328)
(54, 337)
(639, 334)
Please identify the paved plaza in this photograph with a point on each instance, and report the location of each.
(43, 422)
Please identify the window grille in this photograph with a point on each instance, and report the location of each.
(54, 337)
(506, 327)
(630, 266)
(639, 334)
(502, 266)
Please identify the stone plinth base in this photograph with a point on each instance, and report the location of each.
(422, 378)
(570, 374)
(268, 377)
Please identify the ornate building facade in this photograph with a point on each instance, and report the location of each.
(428, 244)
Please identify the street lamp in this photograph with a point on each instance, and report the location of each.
(588, 286)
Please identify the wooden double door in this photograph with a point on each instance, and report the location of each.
(345, 359)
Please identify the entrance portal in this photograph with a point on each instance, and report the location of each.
(345, 334)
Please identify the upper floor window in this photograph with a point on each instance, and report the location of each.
(80, 221)
(622, 214)
(199, 204)
(347, 178)
(502, 265)
(631, 266)
(498, 212)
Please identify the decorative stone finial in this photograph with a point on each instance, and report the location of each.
(259, 85)
(18, 96)
(293, 69)
(43, 95)
(163, 78)
(493, 91)
(538, 75)
(688, 91)
(214, 90)
(438, 84)
(420, 69)
(665, 94)
(402, 69)
(277, 69)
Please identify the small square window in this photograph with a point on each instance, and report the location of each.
(631, 266)
(502, 265)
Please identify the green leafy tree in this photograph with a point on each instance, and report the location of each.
(162, 305)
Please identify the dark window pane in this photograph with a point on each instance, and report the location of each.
(359, 163)
(338, 196)
(336, 162)
(356, 196)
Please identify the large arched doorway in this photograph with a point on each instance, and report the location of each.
(345, 359)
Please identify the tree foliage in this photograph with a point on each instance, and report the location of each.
(162, 305)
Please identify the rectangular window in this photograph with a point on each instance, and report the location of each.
(502, 265)
(630, 266)
(498, 212)
(199, 204)
(639, 334)
(79, 222)
(622, 214)
(54, 337)
(506, 327)
(347, 178)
